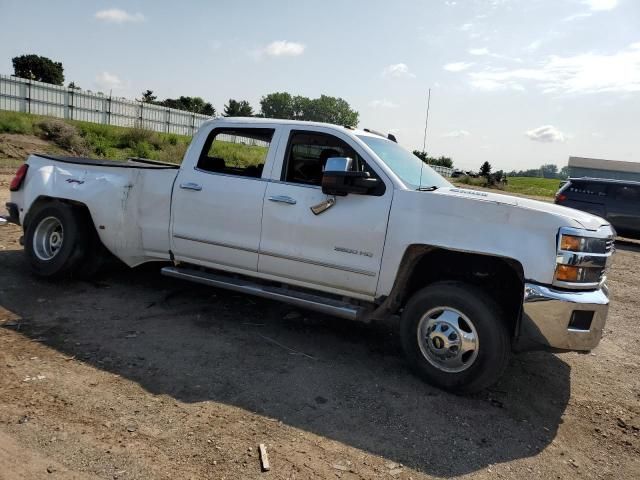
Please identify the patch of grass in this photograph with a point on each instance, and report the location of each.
(529, 186)
(15, 122)
(541, 187)
(476, 182)
(172, 153)
(238, 154)
(64, 135)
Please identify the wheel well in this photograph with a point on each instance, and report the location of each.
(501, 278)
(43, 200)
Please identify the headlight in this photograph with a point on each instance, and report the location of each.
(574, 243)
(583, 257)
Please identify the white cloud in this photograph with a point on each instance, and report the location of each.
(108, 81)
(115, 15)
(384, 103)
(546, 134)
(283, 48)
(577, 16)
(479, 51)
(466, 27)
(533, 46)
(457, 134)
(457, 66)
(601, 5)
(397, 70)
(583, 73)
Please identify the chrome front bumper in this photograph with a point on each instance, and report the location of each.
(562, 320)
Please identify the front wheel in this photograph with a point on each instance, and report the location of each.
(455, 337)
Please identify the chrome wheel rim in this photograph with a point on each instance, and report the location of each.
(448, 339)
(48, 238)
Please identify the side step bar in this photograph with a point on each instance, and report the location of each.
(299, 299)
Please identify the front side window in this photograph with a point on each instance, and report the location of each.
(307, 156)
(238, 151)
(409, 168)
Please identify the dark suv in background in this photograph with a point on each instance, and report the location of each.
(616, 200)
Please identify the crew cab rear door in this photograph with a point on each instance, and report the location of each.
(217, 199)
(338, 250)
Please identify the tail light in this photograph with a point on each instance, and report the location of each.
(561, 197)
(17, 181)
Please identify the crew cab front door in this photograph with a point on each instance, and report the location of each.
(338, 250)
(217, 205)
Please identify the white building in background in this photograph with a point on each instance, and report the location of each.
(600, 168)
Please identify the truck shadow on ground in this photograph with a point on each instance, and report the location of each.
(340, 380)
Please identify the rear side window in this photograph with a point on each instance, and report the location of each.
(240, 151)
(588, 188)
(625, 193)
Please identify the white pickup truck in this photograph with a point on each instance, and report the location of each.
(338, 220)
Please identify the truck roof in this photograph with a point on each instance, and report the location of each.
(301, 123)
(604, 180)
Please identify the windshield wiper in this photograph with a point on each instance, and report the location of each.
(427, 189)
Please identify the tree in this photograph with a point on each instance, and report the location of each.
(35, 67)
(422, 155)
(190, 104)
(277, 105)
(564, 172)
(238, 109)
(485, 170)
(330, 110)
(549, 170)
(442, 161)
(148, 97)
(323, 109)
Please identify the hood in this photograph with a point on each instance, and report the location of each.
(586, 220)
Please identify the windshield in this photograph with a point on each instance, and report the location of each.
(404, 164)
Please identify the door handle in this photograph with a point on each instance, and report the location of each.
(191, 186)
(282, 199)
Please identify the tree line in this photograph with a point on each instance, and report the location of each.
(548, 170)
(281, 105)
(441, 161)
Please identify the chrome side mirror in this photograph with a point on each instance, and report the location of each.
(338, 164)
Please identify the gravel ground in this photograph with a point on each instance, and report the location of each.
(136, 376)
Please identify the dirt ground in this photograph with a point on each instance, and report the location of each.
(137, 376)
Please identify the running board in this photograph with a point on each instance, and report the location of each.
(299, 299)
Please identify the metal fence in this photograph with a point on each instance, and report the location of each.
(444, 171)
(22, 95)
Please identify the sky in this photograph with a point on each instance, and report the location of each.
(518, 83)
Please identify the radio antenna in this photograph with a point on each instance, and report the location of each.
(424, 142)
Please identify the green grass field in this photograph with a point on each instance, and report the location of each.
(530, 186)
(540, 187)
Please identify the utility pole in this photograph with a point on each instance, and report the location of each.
(426, 123)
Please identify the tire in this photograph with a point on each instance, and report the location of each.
(454, 336)
(56, 240)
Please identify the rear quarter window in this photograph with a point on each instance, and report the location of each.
(588, 188)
